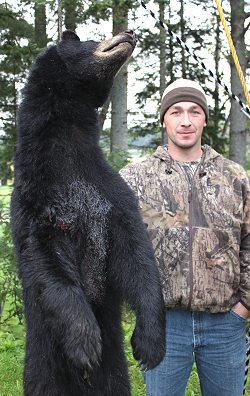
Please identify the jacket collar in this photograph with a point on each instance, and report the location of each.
(162, 153)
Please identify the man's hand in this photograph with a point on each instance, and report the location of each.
(241, 310)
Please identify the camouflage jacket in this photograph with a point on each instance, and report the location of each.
(200, 232)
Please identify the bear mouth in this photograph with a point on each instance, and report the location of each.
(122, 38)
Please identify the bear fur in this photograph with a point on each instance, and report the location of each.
(81, 247)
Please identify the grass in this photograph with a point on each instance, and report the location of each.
(12, 357)
(11, 364)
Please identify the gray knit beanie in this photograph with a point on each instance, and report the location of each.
(183, 90)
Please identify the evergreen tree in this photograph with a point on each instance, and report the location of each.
(15, 60)
(70, 14)
(40, 24)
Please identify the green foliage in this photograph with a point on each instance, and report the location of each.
(137, 384)
(151, 139)
(218, 140)
(16, 55)
(10, 343)
(193, 386)
(15, 48)
(98, 10)
(70, 14)
(118, 159)
(10, 290)
(13, 23)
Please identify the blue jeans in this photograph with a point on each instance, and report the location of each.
(216, 342)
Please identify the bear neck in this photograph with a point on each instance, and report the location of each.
(55, 101)
(48, 115)
(51, 120)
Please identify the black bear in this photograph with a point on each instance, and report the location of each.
(80, 243)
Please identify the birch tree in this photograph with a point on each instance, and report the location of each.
(119, 127)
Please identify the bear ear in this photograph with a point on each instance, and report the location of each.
(69, 35)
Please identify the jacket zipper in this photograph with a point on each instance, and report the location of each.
(190, 228)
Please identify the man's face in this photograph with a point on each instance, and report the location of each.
(184, 122)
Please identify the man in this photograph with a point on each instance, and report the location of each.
(196, 207)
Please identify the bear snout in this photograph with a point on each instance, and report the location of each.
(118, 40)
(132, 34)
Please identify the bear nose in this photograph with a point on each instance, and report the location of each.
(132, 34)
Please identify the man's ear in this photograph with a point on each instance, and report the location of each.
(163, 124)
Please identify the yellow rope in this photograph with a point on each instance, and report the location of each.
(233, 52)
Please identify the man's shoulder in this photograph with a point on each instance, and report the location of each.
(236, 170)
(228, 166)
(138, 167)
(135, 174)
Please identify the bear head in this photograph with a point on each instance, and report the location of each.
(85, 69)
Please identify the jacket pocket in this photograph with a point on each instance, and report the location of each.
(216, 268)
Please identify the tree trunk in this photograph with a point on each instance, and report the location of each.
(163, 65)
(103, 112)
(182, 25)
(119, 128)
(217, 73)
(70, 14)
(171, 57)
(40, 24)
(238, 121)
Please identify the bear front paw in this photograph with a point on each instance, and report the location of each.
(148, 345)
(84, 346)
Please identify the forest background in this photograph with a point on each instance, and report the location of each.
(129, 120)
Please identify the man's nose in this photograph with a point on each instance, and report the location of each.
(185, 119)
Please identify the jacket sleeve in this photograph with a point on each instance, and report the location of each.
(245, 247)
